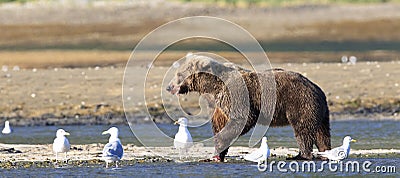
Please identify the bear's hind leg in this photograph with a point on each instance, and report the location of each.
(305, 141)
(323, 140)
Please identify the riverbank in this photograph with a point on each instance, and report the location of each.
(36, 156)
(93, 95)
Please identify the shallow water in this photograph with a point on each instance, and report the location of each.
(369, 134)
(211, 169)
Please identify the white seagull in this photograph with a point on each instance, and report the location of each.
(61, 143)
(353, 60)
(7, 128)
(261, 154)
(339, 153)
(183, 140)
(344, 59)
(112, 151)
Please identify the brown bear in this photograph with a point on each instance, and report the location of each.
(299, 102)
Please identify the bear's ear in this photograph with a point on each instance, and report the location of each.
(203, 65)
(176, 64)
(230, 65)
(189, 55)
(219, 68)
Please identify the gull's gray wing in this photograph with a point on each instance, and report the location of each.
(113, 149)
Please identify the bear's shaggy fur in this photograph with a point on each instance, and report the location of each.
(299, 102)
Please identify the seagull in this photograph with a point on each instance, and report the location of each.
(344, 59)
(183, 139)
(260, 154)
(339, 153)
(352, 60)
(112, 151)
(7, 128)
(61, 143)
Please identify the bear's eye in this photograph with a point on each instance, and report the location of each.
(179, 77)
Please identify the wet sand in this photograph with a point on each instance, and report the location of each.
(90, 155)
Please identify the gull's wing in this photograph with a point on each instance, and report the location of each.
(338, 153)
(189, 136)
(183, 139)
(61, 144)
(113, 149)
(66, 144)
(254, 156)
(182, 144)
(259, 154)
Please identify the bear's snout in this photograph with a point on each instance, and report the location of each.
(169, 88)
(173, 89)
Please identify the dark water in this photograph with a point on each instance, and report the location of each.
(216, 169)
(369, 134)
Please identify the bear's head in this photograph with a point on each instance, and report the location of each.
(192, 65)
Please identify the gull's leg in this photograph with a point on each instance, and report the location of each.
(65, 157)
(56, 156)
(180, 153)
(106, 164)
(262, 161)
(116, 164)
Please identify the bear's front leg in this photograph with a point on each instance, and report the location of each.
(219, 120)
(226, 130)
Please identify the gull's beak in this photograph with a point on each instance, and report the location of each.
(353, 140)
(66, 133)
(105, 132)
(176, 122)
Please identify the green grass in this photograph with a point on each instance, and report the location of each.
(20, 1)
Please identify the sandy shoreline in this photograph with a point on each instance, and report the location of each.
(65, 96)
(90, 154)
(70, 63)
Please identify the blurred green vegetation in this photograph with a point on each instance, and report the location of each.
(285, 2)
(20, 1)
